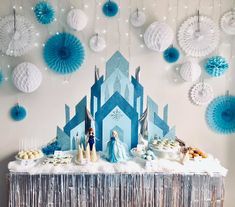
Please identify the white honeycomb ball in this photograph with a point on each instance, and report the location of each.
(158, 36)
(77, 19)
(97, 43)
(27, 77)
(190, 71)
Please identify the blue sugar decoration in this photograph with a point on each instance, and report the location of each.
(1, 77)
(110, 8)
(216, 66)
(220, 114)
(44, 12)
(64, 53)
(51, 148)
(171, 55)
(18, 113)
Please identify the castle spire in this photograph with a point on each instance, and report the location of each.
(97, 73)
(137, 74)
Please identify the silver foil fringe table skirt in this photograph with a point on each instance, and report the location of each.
(115, 190)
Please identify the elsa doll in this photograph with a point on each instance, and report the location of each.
(116, 150)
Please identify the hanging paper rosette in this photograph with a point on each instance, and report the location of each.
(44, 12)
(18, 113)
(220, 114)
(64, 53)
(227, 22)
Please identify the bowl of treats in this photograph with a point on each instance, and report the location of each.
(196, 154)
(29, 155)
(166, 148)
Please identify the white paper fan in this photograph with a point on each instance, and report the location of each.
(227, 22)
(97, 43)
(201, 93)
(158, 36)
(16, 40)
(27, 77)
(137, 18)
(198, 36)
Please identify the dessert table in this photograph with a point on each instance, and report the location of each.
(164, 184)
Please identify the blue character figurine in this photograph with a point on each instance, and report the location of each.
(116, 150)
(91, 138)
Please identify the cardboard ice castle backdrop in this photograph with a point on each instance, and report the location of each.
(116, 103)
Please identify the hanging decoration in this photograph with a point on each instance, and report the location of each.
(64, 53)
(190, 71)
(216, 66)
(18, 113)
(227, 22)
(77, 19)
(16, 35)
(27, 77)
(44, 12)
(1, 77)
(198, 36)
(171, 54)
(158, 36)
(220, 114)
(201, 93)
(97, 43)
(110, 8)
(137, 18)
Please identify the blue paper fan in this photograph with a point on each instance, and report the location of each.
(1, 77)
(44, 12)
(110, 8)
(216, 66)
(171, 55)
(64, 53)
(220, 114)
(18, 113)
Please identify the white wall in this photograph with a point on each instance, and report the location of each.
(46, 106)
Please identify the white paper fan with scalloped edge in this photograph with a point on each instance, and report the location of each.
(201, 93)
(198, 36)
(227, 22)
(16, 40)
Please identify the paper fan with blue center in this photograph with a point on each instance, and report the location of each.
(220, 114)
(44, 12)
(64, 53)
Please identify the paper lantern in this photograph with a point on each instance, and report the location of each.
(64, 53)
(220, 114)
(171, 54)
(201, 93)
(97, 43)
(27, 77)
(77, 19)
(137, 18)
(198, 36)
(227, 22)
(16, 40)
(216, 66)
(44, 12)
(18, 113)
(110, 8)
(190, 71)
(158, 36)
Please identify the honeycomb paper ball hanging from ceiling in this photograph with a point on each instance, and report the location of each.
(77, 19)
(158, 36)
(171, 54)
(18, 113)
(64, 53)
(27, 77)
(220, 114)
(216, 66)
(44, 12)
(190, 71)
(110, 8)
(97, 43)
(137, 18)
(201, 93)
(198, 39)
(227, 22)
(16, 40)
